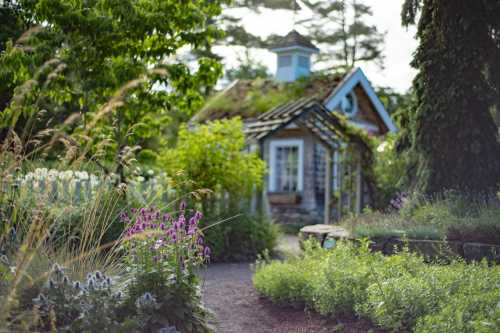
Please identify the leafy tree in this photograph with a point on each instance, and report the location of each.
(454, 138)
(12, 26)
(106, 71)
(339, 27)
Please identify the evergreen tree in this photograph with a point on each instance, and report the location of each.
(339, 27)
(454, 139)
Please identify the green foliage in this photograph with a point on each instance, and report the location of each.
(451, 216)
(242, 237)
(212, 156)
(99, 71)
(398, 292)
(389, 170)
(456, 90)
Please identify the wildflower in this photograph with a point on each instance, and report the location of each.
(166, 217)
(162, 226)
(65, 280)
(77, 285)
(198, 215)
(182, 205)
(98, 275)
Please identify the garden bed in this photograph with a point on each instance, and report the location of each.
(401, 293)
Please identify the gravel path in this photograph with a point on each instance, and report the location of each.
(229, 294)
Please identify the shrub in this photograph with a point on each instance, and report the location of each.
(242, 237)
(399, 292)
(213, 156)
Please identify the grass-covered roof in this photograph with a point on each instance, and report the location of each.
(250, 98)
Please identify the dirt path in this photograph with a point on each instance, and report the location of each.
(228, 292)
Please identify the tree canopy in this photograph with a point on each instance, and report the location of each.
(106, 72)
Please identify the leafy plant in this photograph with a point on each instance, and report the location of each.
(399, 292)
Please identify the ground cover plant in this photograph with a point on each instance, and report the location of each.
(399, 292)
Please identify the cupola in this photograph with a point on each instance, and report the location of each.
(293, 56)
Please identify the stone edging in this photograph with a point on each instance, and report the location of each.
(327, 235)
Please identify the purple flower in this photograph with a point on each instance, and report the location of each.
(166, 217)
(191, 230)
(133, 210)
(182, 205)
(193, 221)
(198, 215)
(199, 241)
(162, 226)
(206, 252)
(181, 221)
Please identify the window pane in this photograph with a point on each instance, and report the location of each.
(304, 62)
(287, 168)
(285, 61)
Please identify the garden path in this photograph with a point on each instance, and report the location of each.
(229, 294)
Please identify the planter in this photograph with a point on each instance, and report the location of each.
(284, 198)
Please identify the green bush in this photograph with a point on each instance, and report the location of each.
(213, 156)
(399, 292)
(241, 238)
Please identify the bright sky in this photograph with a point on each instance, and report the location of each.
(399, 43)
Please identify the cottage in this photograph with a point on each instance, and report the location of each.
(302, 124)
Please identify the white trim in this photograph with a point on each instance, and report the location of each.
(347, 85)
(294, 48)
(272, 161)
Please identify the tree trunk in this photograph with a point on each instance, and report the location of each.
(455, 138)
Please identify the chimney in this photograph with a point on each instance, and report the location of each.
(293, 56)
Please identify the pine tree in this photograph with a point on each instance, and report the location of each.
(340, 29)
(454, 138)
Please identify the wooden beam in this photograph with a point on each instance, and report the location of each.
(328, 186)
(359, 188)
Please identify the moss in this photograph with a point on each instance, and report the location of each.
(249, 99)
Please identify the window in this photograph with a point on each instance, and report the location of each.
(349, 104)
(286, 166)
(304, 62)
(284, 61)
(287, 173)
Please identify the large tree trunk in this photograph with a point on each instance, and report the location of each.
(455, 137)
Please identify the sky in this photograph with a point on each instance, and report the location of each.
(399, 42)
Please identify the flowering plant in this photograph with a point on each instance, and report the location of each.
(163, 252)
(164, 243)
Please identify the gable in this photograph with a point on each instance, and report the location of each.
(371, 110)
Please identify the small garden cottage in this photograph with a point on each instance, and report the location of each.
(308, 128)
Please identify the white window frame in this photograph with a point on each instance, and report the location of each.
(274, 145)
